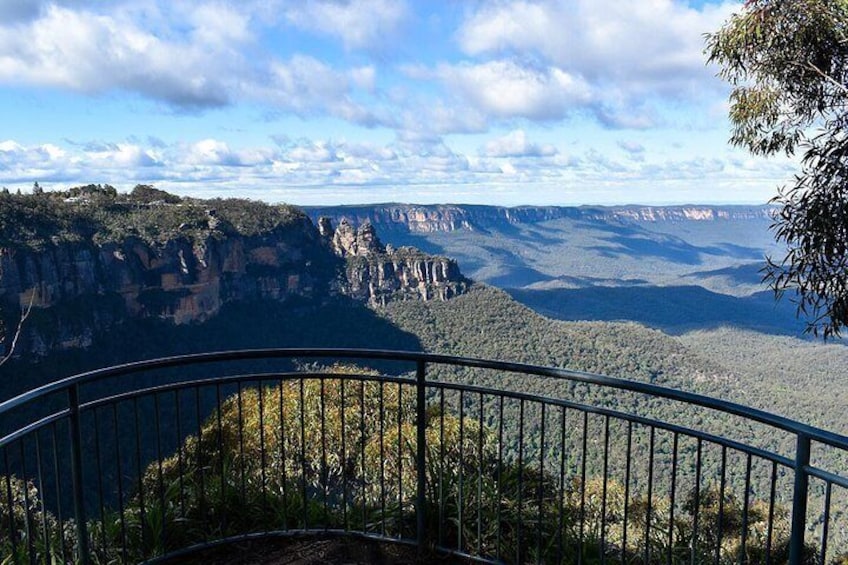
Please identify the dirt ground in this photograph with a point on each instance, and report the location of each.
(311, 551)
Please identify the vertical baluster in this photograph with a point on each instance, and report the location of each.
(99, 467)
(460, 502)
(672, 496)
(626, 491)
(45, 539)
(519, 515)
(722, 486)
(200, 455)
(697, 510)
(28, 517)
(362, 440)
(650, 511)
(242, 458)
(799, 500)
(421, 454)
(561, 525)
(772, 495)
(180, 454)
(400, 457)
(57, 479)
(222, 494)
(305, 503)
(119, 479)
(262, 458)
(382, 408)
(76, 473)
(10, 504)
(442, 493)
(747, 501)
(157, 414)
(283, 461)
(140, 477)
(583, 452)
(825, 523)
(540, 487)
(480, 476)
(499, 477)
(605, 480)
(343, 462)
(324, 471)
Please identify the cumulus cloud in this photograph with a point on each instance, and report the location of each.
(116, 155)
(623, 52)
(359, 24)
(652, 43)
(306, 86)
(516, 144)
(93, 53)
(505, 89)
(188, 56)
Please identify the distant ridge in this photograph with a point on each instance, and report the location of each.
(429, 218)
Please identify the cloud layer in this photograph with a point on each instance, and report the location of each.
(575, 93)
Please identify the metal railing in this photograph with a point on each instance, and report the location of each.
(484, 460)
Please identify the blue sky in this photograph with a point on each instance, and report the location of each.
(331, 101)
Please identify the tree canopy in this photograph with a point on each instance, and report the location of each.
(787, 61)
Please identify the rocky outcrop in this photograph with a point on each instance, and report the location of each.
(79, 289)
(413, 218)
(380, 274)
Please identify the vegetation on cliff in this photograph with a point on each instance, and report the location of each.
(99, 214)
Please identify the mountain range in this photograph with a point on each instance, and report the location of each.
(675, 268)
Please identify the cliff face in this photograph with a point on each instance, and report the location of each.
(82, 288)
(379, 273)
(415, 218)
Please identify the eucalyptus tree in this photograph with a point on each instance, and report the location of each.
(787, 61)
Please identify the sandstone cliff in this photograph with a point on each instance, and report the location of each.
(380, 273)
(415, 218)
(80, 283)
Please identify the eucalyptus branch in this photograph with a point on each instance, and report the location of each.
(24, 315)
(827, 77)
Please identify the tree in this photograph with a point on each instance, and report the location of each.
(787, 61)
(25, 312)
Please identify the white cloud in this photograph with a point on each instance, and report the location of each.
(213, 167)
(360, 24)
(122, 155)
(651, 42)
(516, 144)
(505, 89)
(188, 56)
(93, 53)
(624, 51)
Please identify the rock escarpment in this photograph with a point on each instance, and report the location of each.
(380, 273)
(415, 218)
(79, 284)
(77, 289)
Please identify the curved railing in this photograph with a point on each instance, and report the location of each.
(492, 461)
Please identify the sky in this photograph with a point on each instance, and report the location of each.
(554, 102)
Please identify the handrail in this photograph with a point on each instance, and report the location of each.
(76, 407)
(736, 409)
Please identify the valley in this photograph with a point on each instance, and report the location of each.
(667, 296)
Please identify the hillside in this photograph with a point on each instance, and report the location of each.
(102, 277)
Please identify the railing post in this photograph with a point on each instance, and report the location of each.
(76, 474)
(421, 428)
(799, 500)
